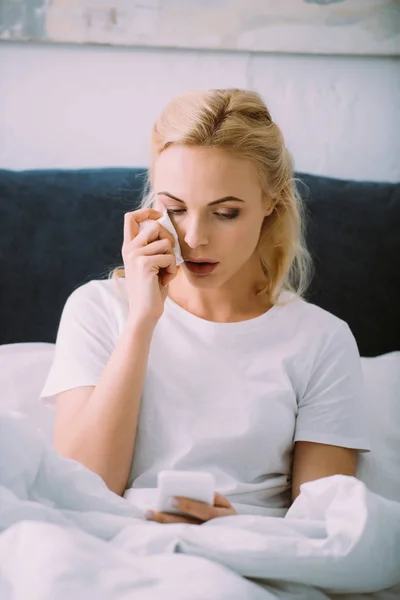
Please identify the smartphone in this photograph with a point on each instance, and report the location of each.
(195, 485)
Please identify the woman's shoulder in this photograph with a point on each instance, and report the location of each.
(315, 338)
(99, 300)
(308, 317)
(107, 291)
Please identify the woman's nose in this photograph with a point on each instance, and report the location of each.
(196, 234)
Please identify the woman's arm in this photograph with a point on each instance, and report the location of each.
(99, 430)
(313, 461)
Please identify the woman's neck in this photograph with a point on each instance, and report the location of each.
(235, 301)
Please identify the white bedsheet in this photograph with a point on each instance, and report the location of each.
(65, 535)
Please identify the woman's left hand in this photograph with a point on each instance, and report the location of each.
(198, 512)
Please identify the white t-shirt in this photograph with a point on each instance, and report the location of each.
(228, 398)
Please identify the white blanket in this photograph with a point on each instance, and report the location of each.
(65, 535)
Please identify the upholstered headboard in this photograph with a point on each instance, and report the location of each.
(61, 228)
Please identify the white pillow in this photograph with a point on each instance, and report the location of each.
(380, 468)
(23, 370)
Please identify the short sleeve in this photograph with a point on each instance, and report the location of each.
(332, 409)
(84, 344)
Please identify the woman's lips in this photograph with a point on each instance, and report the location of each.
(200, 268)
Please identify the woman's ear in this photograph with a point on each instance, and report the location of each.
(269, 205)
(270, 208)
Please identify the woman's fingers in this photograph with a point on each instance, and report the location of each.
(154, 231)
(148, 268)
(161, 517)
(198, 512)
(158, 247)
(222, 501)
(133, 218)
(164, 265)
(204, 511)
(161, 261)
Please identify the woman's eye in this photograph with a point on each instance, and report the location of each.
(229, 215)
(232, 214)
(178, 211)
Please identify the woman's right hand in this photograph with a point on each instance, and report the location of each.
(149, 263)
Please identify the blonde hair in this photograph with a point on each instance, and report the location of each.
(238, 121)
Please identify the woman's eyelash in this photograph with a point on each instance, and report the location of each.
(231, 215)
(225, 216)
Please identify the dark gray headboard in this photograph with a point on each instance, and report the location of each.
(59, 229)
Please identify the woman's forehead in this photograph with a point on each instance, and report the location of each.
(187, 169)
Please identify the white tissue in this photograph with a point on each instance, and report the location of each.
(166, 222)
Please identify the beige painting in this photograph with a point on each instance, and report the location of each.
(368, 27)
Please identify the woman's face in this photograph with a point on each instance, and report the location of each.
(216, 204)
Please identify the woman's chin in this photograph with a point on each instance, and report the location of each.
(203, 282)
(208, 281)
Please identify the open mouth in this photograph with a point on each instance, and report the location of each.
(200, 268)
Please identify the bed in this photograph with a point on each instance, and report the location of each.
(71, 536)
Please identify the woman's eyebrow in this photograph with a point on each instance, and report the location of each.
(220, 201)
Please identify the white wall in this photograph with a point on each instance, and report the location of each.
(74, 107)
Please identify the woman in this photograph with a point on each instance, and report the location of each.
(219, 364)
